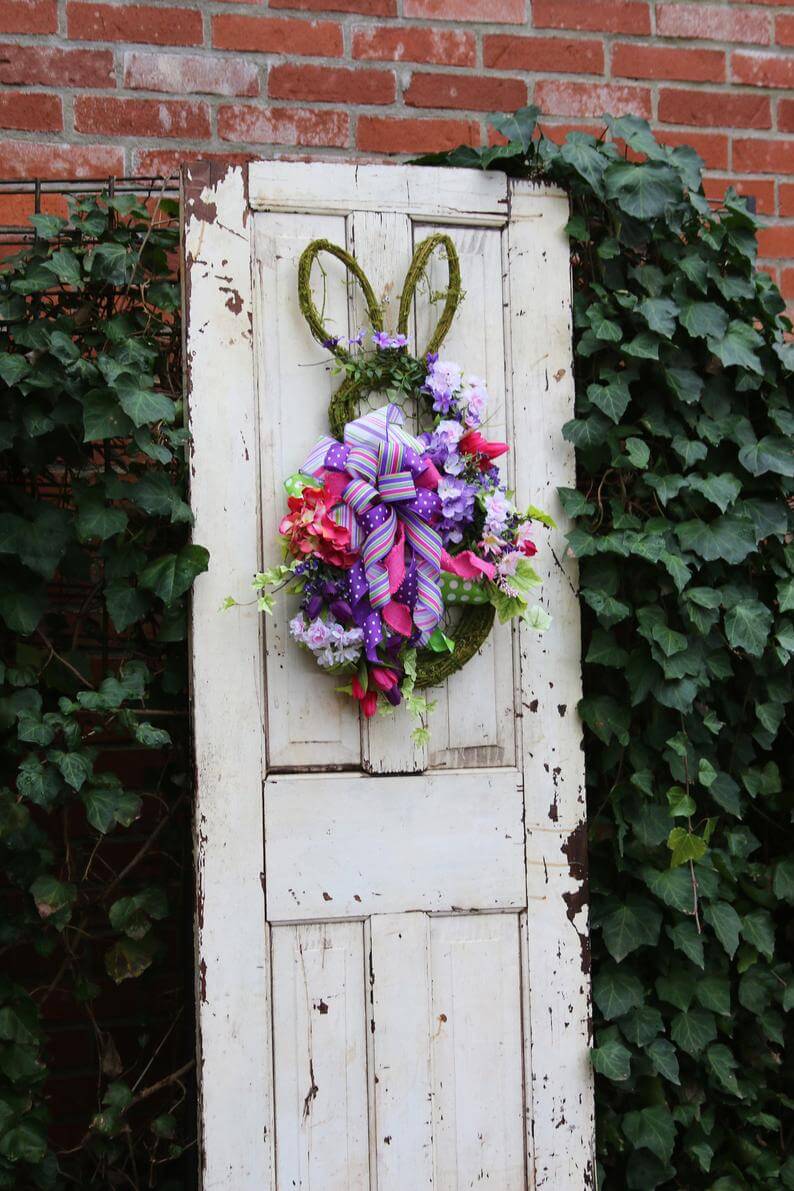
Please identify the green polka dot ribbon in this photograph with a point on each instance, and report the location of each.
(295, 483)
(462, 591)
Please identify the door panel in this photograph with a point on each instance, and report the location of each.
(352, 846)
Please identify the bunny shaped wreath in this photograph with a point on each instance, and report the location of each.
(385, 529)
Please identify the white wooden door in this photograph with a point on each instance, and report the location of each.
(391, 940)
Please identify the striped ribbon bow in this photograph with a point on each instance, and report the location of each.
(385, 487)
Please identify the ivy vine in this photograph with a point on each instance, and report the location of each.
(684, 436)
(95, 570)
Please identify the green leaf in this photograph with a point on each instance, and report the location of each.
(134, 915)
(38, 782)
(129, 958)
(75, 767)
(66, 267)
(660, 315)
(693, 1030)
(668, 639)
(144, 405)
(690, 452)
(758, 929)
(54, 900)
(723, 1064)
(612, 1059)
(686, 939)
(771, 453)
(641, 1025)
(616, 992)
(651, 1128)
(612, 398)
(24, 1142)
(714, 992)
(721, 490)
(172, 575)
(638, 452)
(156, 493)
(125, 604)
(783, 879)
(685, 384)
(605, 717)
(105, 807)
(726, 923)
(630, 926)
(728, 537)
(644, 191)
(586, 432)
(736, 346)
(747, 626)
(103, 418)
(98, 520)
(703, 319)
(663, 1056)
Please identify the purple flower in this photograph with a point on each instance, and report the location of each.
(382, 339)
(331, 342)
(457, 507)
(498, 509)
(357, 340)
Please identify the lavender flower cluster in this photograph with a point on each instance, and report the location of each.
(330, 642)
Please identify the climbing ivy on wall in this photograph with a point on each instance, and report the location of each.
(684, 434)
(94, 805)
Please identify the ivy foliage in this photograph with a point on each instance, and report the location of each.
(95, 570)
(684, 434)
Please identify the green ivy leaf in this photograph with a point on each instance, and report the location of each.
(726, 924)
(723, 1064)
(612, 1059)
(143, 406)
(616, 992)
(105, 807)
(630, 926)
(692, 1030)
(644, 191)
(652, 1128)
(747, 626)
(663, 1056)
(172, 575)
(736, 346)
(771, 453)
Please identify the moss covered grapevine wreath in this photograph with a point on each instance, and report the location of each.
(386, 530)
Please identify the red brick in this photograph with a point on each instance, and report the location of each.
(712, 22)
(787, 284)
(134, 22)
(763, 70)
(608, 16)
(563, 55)
(190, 74)
(777, 241)
(465, 92)
(166, 162)
(785, 115)
(329, 84)
(786, 198)
(632, 61)
(33, 65)
(446, 47)
(712, 146)
(498, 12)
(762, 155)
(283, 126)
(761, 189)
(367, 8)
(591, 99)
(784, 30)
(31, 111)
(382, 134)
(35, 159)
(111, 116)
(276, 35)
(28, 16)
(558, 132)
(714, 109)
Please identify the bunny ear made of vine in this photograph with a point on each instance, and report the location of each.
(307, 305)
(415, 270)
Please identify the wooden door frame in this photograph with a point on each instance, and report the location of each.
(232, 948)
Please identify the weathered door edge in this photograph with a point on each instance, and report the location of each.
(559, 1073)
(232, 953)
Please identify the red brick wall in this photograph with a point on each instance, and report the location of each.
(91, 88)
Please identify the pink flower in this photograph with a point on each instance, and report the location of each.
(473, 443)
